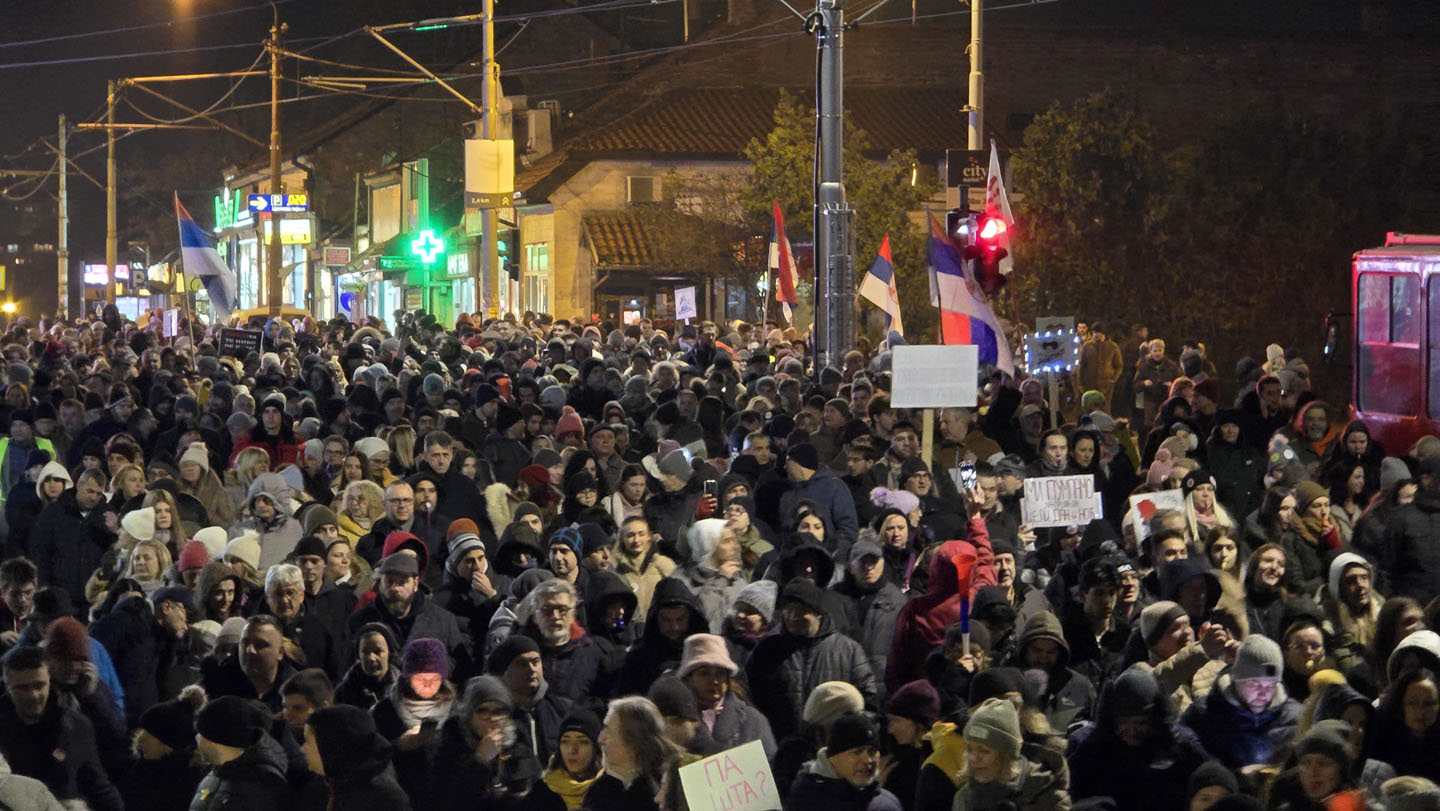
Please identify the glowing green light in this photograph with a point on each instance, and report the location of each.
(427, 246)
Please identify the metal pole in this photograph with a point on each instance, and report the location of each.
(976, 107)
(490, 129)
(273, 273)
(62, 254)
(111, 239)
(833, 332)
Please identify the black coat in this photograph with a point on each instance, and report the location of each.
(814, 790)
(609, 794)
(67, 547)
(167, 784)
(426, 620)
(655, 653)
(255, 781)
(460, 781)
(1410, 536)
(32, 752)
(573, 669)
(312, 635)
(129, 634)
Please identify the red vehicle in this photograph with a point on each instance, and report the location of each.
(1396, 296)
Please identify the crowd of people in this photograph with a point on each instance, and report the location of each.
(545, 564)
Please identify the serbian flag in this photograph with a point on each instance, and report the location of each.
(200, 259)
(964, 561)
(782, 264)
(965, 316)
(878, 287)
(997, 204)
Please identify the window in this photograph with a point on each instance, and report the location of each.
(1388, 337)
(536, 277)
(642, 190)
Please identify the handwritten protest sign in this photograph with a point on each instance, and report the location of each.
(1145, 505)
(1060, 501)
(737, 779)
(685, 304)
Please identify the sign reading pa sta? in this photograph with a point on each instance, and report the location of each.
(737, 779)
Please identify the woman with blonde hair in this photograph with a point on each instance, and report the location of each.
(1204, 514)
(128, 484)
(249, 463)
(402, 450)
(362, 503)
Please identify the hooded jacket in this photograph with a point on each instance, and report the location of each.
(655, 653)
(818, 786)
(922, 622)
(256, 779)
(279, 535)
(1066, 694)
(613, 642)
(1238, 467)
(358, 773)
(67, 546)
(59, 751)
(359, 690)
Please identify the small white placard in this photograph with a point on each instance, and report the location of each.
(934, 376)
(1060, 501)
(685, 303)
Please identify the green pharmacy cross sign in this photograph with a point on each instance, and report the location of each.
(427, 247)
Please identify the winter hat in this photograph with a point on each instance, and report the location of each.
(173, 722)
(546, 457)
(316, 517)
(1010, 465)
(1160, 469)
(676, 463)
(345, 734)
(232, 721)
(674, 698)
(760, 596)
(65, 640)
(902, 500)
(196, 453)
(703, 536)
(995, 724)
(917, 701)
(480, 689)
(460, 545)
(535, 476)
(569, 423)
(424, 656)
(398, 564)
(592, 538)
(1156, 619)
(247, 548)
(1134, 692)
(583, 721)
(175, 594)
(805, 456)
(568, 537)
(1210, 773)
(230, 631)
(1343, 561)
(506, 417)
(1259, 658)
(804, 592)
(193, 555)
(1306, 492)
(1393, 471)
(308, 545)
(139, 524)
(995, 682)
(514, 646)
(458, 526)
(1194, 479)
(313, 449)
(208, 631)
(702, 650)
(852, 730)
(371, 446)
(830, 700)
(1328, 738)
(214, 539)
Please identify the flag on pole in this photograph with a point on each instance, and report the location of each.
(965, 316)
(782, 265)
(200, 259)
(878, 287)
(997, 204)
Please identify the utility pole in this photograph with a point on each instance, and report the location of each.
(273, 272)
(976, 108)
(62, 252)
(834, 219)
(490, 129)
(111, 238)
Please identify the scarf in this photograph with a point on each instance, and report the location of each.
(949, 750)
(569, 789)
(415, 711)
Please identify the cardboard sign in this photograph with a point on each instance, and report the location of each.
(1060, 501)
(934, 376)
(737, 779)
(685, 304)
(1144, 505)
(239, 342)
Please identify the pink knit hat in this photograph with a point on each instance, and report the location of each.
(193, 555)
(569, 423)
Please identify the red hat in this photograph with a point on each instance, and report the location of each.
(569, 423)
(534, 475)
(65, 639)
(463, 525)
(193, 555)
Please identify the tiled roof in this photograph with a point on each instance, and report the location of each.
(619, 240)
(722, 121)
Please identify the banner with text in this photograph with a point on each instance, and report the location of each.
(1144, 506)
(737, 779)
(1060, 501)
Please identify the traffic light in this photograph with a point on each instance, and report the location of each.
(989, 234)
(960, 225)
(505, 245)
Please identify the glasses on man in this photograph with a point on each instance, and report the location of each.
(556, 609)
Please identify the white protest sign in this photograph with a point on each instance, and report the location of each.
(171, 324)
(685, 304)
(1144, 505)
(1060, 501)
(737, 779)
(934, 376)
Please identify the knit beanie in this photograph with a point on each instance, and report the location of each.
(1393, 470)
(1210, 773)
(593, 538)
(902, 500)
(173, 722)
(458, 526)
(830, 700)
(917, 701)
(569, 423)
(805, 456)
(1160, 468)
(804, 592)
(232, 721)
(995, 724)
(514, 646)
(567, 537)
(214, 539)
(507, 416)
(1343, 561)
(317, 517)
(193, 555)
(760, 596)
(139, 524)
(674, 698)
(247, 548)
(1259, 658)
(583, 721)
(853, 730)
(424, 656)
(1156, 619)
(1306, 492)
(230, 631)
(65, 640)
(480, 689)
(535, 476)
(676, 463)
(1134, 692)
(995, 682)
(460, 545)
(345, 734)
(196, 453)
(1329, 738)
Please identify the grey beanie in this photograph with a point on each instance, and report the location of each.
(1259, 658)
(1393, 470)
(760, 596)
(996, 724)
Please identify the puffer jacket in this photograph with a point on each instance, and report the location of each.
(1410, 535)
(573, 669)
(1236, 736)
(255, 780)
(871, 612)
(655, 653)
(17, 791)
(67, 546)
(922, 622)
(1042, 785)
(785, 669)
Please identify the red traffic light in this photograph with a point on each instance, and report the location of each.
(992, 228)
